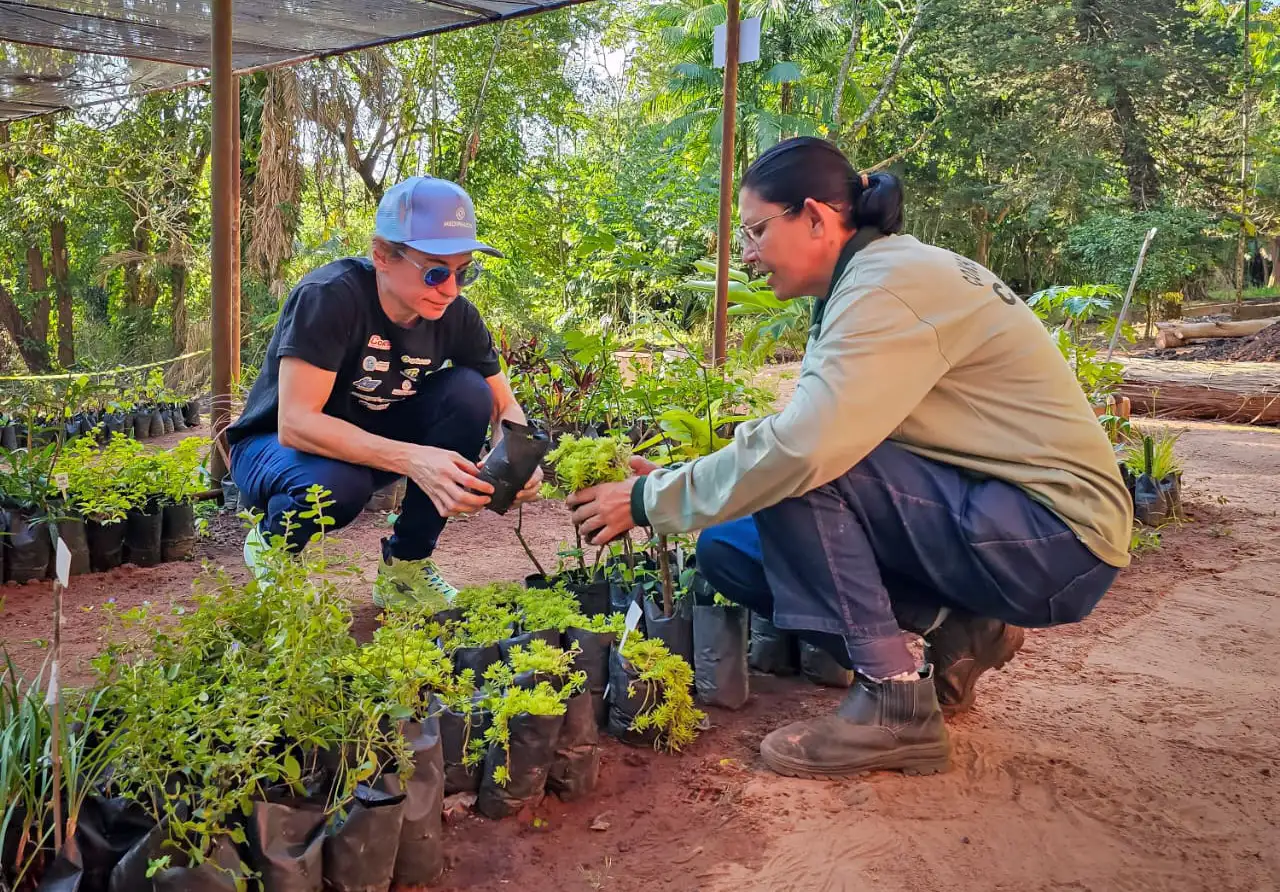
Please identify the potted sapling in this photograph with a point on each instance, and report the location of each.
(1153, 477)
(521, 747)
(181, 477)
(404, 664)
(144, 524)
(25, 481)
(101, 493)
(720, 634)
(593, 637)
(464, 718)
(649, 698)
(580, 463)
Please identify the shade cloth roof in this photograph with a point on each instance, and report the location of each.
(57, 54)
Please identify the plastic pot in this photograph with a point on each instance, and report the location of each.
(821, 668)
(142, 423)
(594, 656)
(512, 462)
(419, 858)
(27, 548)
(105, 831)
(628, 697)
(106, 544)
(9, 436)
(551, 636)
(230, 494)
(143, 528)
(527, 756)
(590, 590)
(178, 532)
(157, 424)
(73, 533)
(457, 732)
(191, 413)
(286, 843)
(179, 421)
(720, 655)
(221, 871)
(361, 841)
(477, 659)
(771, 649)
(675, 631)
(575, 769)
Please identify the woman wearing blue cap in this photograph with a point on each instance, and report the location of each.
(380, 369)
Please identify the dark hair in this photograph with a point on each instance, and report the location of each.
(808, 167)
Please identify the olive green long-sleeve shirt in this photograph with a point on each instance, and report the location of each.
(930, 350)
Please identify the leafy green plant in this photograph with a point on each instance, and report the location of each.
(98, 486)
(774, 322)
(180, 472)
(552, 608)
(544, 699)
(1153, 454)
(1067, 310)
(672, 714)
(581, 462)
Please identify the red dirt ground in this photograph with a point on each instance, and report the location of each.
(1139, 750)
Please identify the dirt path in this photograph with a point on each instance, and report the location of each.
(1138, 750)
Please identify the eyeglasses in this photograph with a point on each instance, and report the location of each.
(435, 276)
(753, 233)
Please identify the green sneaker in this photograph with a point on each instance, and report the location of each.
(416, 584)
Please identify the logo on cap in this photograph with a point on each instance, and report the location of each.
(460, 213)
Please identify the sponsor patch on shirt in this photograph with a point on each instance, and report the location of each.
(403, 391)
(373, 407)
(410, 373)
(372, 364)
(379, 343)
(366, 383)
(414, 360)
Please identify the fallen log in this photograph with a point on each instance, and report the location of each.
(1176, 334)
(1239, 392)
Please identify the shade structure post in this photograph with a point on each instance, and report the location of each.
(724, 230)
(225, 192)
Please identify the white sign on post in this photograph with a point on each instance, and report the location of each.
(748, 42)
(63, 563)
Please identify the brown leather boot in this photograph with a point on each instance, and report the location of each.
(964, 647)
(880, 726)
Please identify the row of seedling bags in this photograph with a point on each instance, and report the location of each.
(141, 423)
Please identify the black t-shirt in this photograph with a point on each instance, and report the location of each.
(333, 320)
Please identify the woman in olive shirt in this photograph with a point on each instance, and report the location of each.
(937, 471)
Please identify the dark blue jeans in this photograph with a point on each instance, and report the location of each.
(851, 564)
(451, 411)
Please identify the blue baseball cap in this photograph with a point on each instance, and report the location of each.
(430, 215)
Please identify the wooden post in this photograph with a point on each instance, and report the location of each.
(223, 200)
(724, 237)
(234, 310)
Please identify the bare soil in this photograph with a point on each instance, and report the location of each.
(1139, 750)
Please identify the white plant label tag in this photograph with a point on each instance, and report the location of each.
(60, 480)
(63, 563)
(634, 612)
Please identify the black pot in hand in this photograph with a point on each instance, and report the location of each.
(512, 462)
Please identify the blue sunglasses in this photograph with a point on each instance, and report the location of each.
(435, 276)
